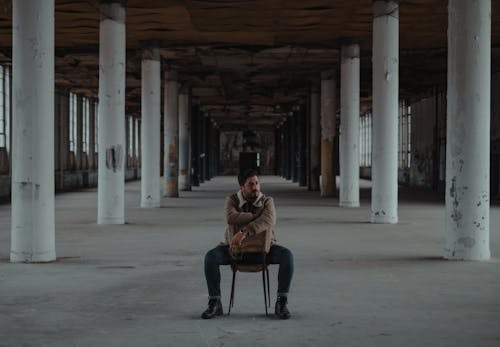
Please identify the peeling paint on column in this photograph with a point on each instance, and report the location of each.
(32, 211)
(327, 184)
(468, 130)
(150, 124)
(328, 108)
(327, 119)
(171, 171)
(114, 158)
(385, 109)
(349, 126)
(468, 242)
(111, 114)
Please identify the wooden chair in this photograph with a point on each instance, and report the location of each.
(259, 245)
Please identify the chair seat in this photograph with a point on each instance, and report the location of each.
(248, 267)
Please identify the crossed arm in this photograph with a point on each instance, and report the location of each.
(250, 223)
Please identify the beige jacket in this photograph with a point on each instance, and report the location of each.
(256, 219)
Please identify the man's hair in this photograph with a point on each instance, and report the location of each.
(242, 177)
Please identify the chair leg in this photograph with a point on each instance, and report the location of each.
(268, 292)
(231, 300)
(264, 287)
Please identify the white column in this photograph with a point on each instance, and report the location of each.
(384, 207)
(468, 130)
(315, 138)
(328, 109)
(32, 228)
(171, 136)
(150, 128)
(184, 142)
(111, 118)
(349, 126)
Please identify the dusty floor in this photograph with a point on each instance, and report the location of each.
(355, 283)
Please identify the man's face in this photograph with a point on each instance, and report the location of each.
(251, 188)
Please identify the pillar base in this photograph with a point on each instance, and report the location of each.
(479, 257)
(171, 195)
(349, 204)
(384, 219)
(24, 257)
(111, 221)
(150, 204)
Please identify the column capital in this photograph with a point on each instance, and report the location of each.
(349, 51)
(386, 8)
(328, 74)
(121, 2)
(185, 88)
(150, 50)
(347, 41)
(171, 75)
(116, 13)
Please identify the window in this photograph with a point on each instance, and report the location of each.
(404, 143)
(6, 103)
(85, 124)
(137, 137)
(130, 137)
(365, 148)
(73, 109)
(96, 141)
(3, 115)
(5, 107)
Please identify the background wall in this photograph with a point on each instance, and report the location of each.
(233, 142)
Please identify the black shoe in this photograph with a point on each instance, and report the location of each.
(280, 309)
(214, 309)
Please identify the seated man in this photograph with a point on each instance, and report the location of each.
(248, 213)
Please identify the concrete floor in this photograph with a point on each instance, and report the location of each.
(355, 284)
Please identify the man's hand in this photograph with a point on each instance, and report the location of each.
(238, 238)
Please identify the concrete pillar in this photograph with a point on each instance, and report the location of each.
(208, 146)
(171, 134)
(195, 144)
(184, 141)
(328, 109)
(111, 115)
(150, 129)
(293, 146)
(468, 130)
(302, 145)
(63, 137)
(315, 138)
(384, 207)
(32, 228)
(204, 148)
(289, 148)
(349, 126)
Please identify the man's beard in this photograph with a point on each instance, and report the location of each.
(252, 195)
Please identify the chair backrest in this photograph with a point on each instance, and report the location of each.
(259, 243)
(248, 267)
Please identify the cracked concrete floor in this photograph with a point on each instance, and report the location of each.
(355, 283)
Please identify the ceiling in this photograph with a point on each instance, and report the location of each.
(249, 61)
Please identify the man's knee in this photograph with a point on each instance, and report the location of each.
(287, 255)
(211, 256)
(281, 255)
(217, 256)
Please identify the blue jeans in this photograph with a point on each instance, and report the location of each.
(220, 256)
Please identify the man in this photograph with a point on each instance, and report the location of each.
(248, 213)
